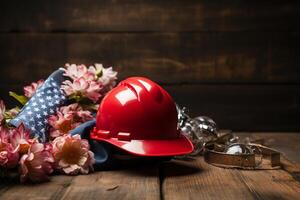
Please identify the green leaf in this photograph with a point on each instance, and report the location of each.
(10, 115)
(20, 98)
(99, 74)
(75, 97)
(90, 107)
(83, 101)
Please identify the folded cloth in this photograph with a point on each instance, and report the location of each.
(34, 115)
(101, 150)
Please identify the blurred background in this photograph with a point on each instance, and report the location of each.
(235, 61)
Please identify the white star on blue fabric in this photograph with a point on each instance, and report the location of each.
(47, 99)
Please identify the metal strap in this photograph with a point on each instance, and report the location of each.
(266, 158)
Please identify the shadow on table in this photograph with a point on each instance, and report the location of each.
(165, 166)
(179, 168)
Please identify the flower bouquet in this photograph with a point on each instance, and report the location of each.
(35, 139)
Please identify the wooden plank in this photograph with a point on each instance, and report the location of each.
(148, 15)
(165, 57)
(271, 184)
(281, 185)
(126, 184)
(193, 179)
(245, 107)
(261, 57)
(138, 183)
(198, 180)
(160, 56)
(285, 142)
(49, 190)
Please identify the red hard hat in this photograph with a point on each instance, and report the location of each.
(140, 117)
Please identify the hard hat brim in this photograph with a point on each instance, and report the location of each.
(165, 147)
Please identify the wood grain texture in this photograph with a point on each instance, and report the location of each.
(276, 184)
(148, 15)
(285, 142)
(142, 183)
(49, 190)
(165, 57)
(280, 186)
(125, 184)
(198, 180)
(242, 107)
(182, 180)
(176, 179)
(214, 183)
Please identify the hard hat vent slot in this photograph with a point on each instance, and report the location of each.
(124, 136)
(130, 87)
(103, 134)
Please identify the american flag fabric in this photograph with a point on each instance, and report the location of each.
(34, 115)
(47, 99)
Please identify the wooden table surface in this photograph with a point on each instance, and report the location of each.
(177, 179)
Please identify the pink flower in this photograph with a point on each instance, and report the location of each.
(96, 70)
(9, 156)
(93, 91)
(108, 75)
(75, 71)
(108, 78)
(72, 155)
(31, 89)
(68, 118)
(37, 164)
(78, 86)
(2, 111)
(84, 115)
(92, 82)
(60, 124)
(4, 135)
(19, 138)
(75, 109)
(82, 87)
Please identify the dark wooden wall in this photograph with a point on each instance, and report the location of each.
(236, 61)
